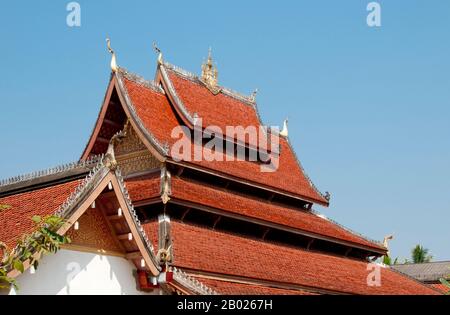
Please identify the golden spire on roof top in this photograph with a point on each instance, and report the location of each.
(210, 74)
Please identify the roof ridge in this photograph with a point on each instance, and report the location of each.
(424, 263)
(134, 216)
(66, 206)
(346, 228)
(162, 148)
(50, 171)
(192, 283)
(246, 99)
(138, 79)
(314, 187)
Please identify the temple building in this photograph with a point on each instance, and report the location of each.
(146, 217)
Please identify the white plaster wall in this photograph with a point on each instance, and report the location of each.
(73, 272)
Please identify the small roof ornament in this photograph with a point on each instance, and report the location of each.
(159, 52)
(114, 66)
(210, 74)
(253, 96)
(284, 131)
(386, 240)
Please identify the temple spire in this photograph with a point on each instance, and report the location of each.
(210, 73)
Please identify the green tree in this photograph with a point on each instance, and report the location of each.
(419, 255)
(43, 240)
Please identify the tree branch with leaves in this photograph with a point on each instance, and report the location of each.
(44, 240)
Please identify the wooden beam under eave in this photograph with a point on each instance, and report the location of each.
(310, 243)
(102, 140)
(123, 237)
(112, 123)
(114, 217)
(265, 233)
(180, 171)
(133, 255)
(185, 214)
(347, 252)
(216, 222)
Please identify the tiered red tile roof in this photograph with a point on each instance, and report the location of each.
(159, 118)
(144, 188)
(218, 110)
(227, 262)
(221, 254)
(16, 219)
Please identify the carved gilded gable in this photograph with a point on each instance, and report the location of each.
(132, 155)
(94, 233)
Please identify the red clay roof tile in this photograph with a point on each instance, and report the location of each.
(440, 287)
(159, 118)
(16, 220)
(218, 110)
(205, 250)
(298, 219)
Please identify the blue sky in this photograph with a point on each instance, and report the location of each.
(369, 108)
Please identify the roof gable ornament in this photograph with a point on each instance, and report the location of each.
(253, 96)
(159, 52)
(386, 240)
(284, 131)
(210, 74)
(114, 66)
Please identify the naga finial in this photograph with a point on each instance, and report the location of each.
(386, 240)
(159, 52)
(114, 66)
(253, 96)
(284, 131)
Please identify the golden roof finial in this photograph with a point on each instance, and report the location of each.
(210, 74)
(114, 66)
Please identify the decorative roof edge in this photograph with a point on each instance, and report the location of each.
(89, 163)
(95, 175)
(137, 222)
(174, 94)
(304, 172)
(378, 243)
(141, 80)
(98, 116)
(191, 283)
(163, 149)
(248, 100)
